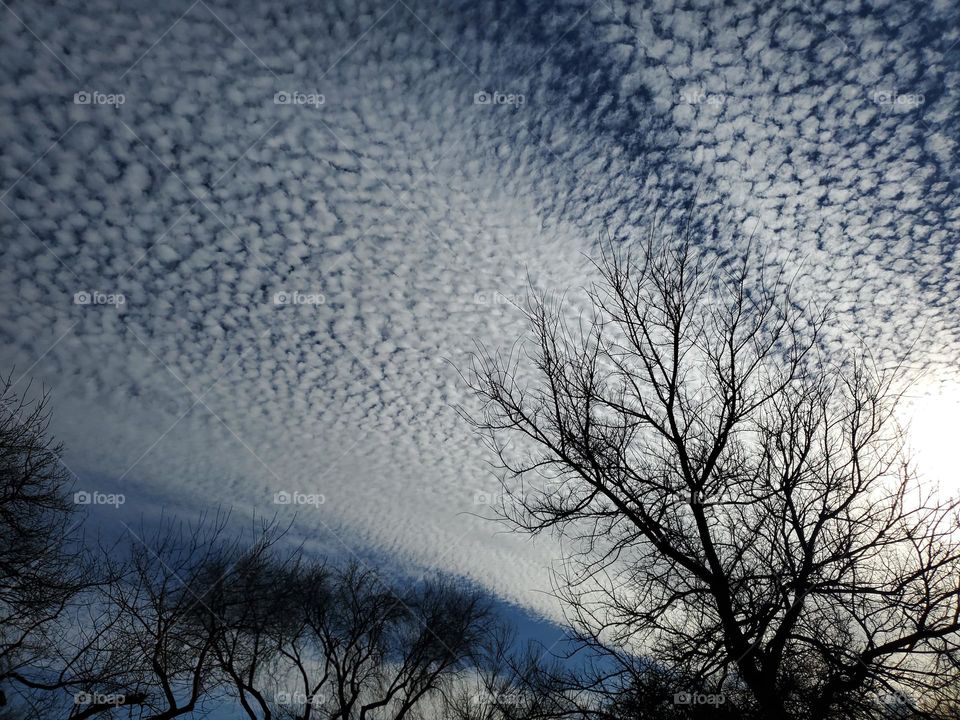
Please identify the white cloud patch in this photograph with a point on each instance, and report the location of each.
(417, 214)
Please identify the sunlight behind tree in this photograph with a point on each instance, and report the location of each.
(932, 416)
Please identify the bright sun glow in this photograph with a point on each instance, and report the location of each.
(934, 436)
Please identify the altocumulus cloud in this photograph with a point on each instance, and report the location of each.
(248, 243)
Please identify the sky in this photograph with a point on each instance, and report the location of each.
(248, 245)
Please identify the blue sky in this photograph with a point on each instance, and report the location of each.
(247, 245)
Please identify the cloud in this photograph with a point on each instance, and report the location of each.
(417, 214)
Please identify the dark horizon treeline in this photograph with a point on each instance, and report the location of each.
(746, 541)
(192, 616)
(160, 625)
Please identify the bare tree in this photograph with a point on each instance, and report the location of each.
(253, 608)
(360, 650)
(43, 567)
(188, 615)
(513, 681)
(165, 629)
(287, 637)
(735, 488)
(185, 615)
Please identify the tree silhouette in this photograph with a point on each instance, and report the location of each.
(43, 566)
(733, 485)
(169, 619)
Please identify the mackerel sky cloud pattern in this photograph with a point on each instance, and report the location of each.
(305, 213)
